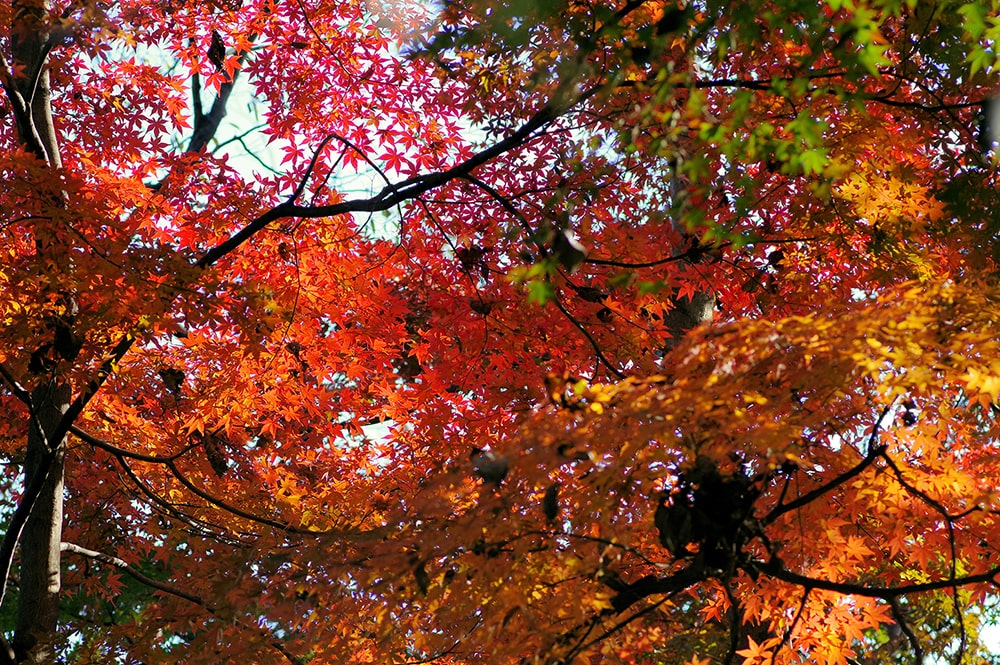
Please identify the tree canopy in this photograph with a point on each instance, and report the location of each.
(530, 332)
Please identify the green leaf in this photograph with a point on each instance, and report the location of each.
(540, 291)
(651, 287)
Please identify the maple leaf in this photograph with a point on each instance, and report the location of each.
(112, 586)
(273, 276)
(758, 654)
(855, 548)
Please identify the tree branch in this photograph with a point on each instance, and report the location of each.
(18, 391)
(602, 359)
(207, 124)
(121, 452)
(389, 196)
(173, 591)
(200, 527)
(775, 569)
(134, 574)
(373, 534)
(874, 452)
(629, 594)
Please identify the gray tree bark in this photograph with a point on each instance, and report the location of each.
(40, 581)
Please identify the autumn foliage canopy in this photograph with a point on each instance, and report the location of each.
(499, 332)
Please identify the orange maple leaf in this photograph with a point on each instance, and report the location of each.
(759, 654)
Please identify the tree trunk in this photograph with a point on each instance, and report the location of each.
(38, 606)
(30, 46)
(688, 312)
(40, 582)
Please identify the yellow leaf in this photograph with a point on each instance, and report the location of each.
(988, 384)
(601, 602)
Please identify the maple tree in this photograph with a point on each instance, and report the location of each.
(560, 332)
